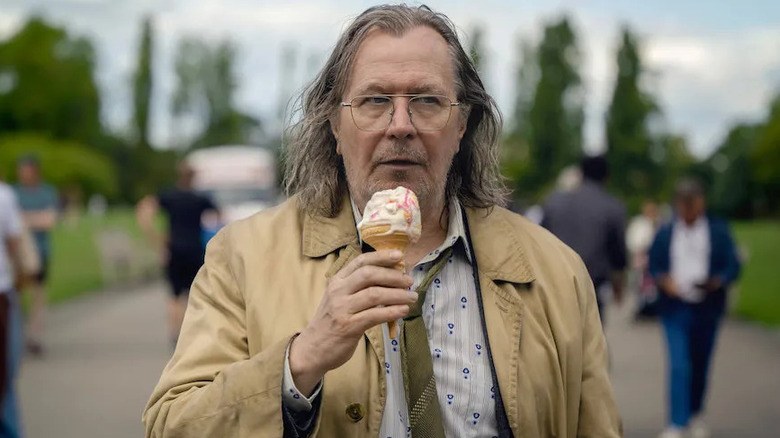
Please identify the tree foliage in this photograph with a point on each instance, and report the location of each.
(476, 49)
(47, 84)
(634, 168)
(765, 158)
(546, 129)
(206, 90)
(730, 175)
(66, 164)
(142, 85)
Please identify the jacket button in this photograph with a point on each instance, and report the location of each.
(355, 412)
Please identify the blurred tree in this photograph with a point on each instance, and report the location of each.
(159, 171)
(516, 151)
(142, 85)
(674, 160)
(635, 161)
(205, 90)
(765, 158)
(66, 164)
(47, 84)
(526, 79)
(732, 184)
(743, 171)
(556, 114)
(477, 50)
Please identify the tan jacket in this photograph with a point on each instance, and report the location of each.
(263, 279)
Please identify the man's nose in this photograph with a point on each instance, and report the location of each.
(401, 125)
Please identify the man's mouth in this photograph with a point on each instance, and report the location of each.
(399, 162)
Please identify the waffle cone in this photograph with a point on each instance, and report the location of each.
(377, 237)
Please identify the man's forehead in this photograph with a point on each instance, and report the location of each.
(424, 86)
(416, 61)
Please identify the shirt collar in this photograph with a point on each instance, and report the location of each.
(456, 230)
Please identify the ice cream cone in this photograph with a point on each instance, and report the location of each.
(391, 220)
(377, 237)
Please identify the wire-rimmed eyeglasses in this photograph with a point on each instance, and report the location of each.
(427, 112)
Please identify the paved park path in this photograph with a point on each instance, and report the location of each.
(106, 352)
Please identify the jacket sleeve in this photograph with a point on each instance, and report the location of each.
(658, 255)
(616, 240)
(300, 412)
(598, 414)
(211, 386)
(732, 266)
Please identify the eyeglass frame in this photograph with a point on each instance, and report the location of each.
(392, 112)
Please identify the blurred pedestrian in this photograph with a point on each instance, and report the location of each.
(592, 223)
(12, 278)
(40, 210)
(290, 296)
(639, 236)
(181, 249)
(694, 261)
(569, 179)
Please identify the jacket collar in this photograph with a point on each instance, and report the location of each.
(324, 235)
(497, 241)
(499, 245)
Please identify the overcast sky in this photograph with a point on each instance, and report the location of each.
(715, 62)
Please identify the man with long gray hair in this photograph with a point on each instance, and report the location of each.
(287, 333)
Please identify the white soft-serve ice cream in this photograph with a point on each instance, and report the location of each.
(389, 213)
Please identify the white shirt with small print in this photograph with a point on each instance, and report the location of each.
(460, 363)
(10, 226)
(690, 258)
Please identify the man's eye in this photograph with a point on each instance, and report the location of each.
(429, 100)
(375, 100)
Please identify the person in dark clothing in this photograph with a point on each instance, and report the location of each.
(693, 260)
(592, 223)
(182, 249)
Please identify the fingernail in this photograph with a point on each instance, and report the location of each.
(396, 254)
(412, 295)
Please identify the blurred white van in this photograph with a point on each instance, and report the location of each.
(241, 180)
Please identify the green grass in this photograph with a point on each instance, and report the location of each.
(759, 286)
(75, 267)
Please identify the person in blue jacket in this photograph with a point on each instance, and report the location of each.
(693, 259)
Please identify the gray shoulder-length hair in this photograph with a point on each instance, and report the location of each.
(315, 172)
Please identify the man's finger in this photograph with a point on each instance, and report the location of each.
(385, 258)
(378, 315)
(380, 296)
(372, 276)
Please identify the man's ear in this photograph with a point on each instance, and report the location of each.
(334, 129)
(463, 122)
